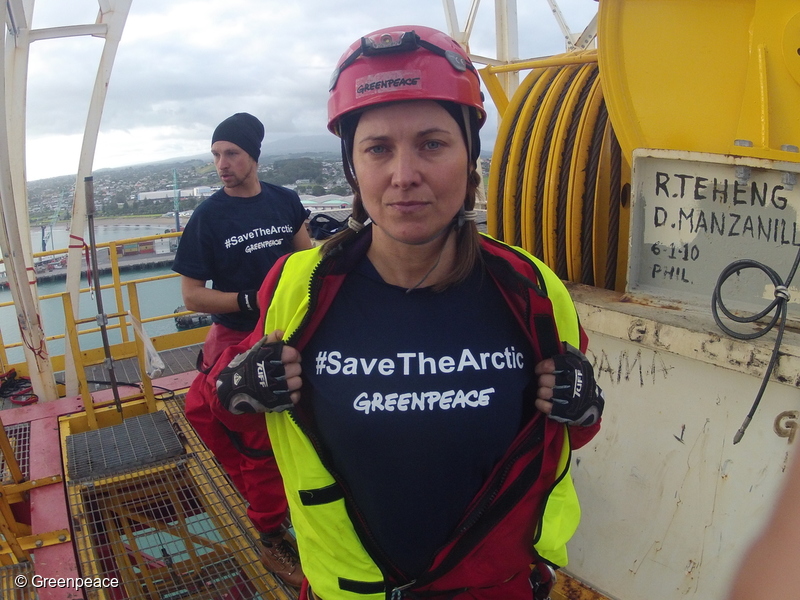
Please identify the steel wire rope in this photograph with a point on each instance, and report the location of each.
(564, 200)
(498, 204)
(544, 155)
(523, 159)
(615, 201)
(163, 390)
(590, 192)
(779, 305)
(505, 156)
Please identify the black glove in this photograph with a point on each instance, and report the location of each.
(577, 399)
(255, 381)
(248, 301)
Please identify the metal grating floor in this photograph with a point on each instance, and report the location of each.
(175, 529)
(9, 582)
(126, 371)
(19, 436)
(177, 360)
(136, 442)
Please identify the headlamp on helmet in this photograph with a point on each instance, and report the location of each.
(389, 42)
(399, 64)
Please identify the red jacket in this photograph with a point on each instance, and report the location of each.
(507, 513)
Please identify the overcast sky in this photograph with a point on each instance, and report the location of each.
(184, 65)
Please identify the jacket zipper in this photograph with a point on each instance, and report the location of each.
(489, 496)
(382, 562)
(373, 549)
(525, 446)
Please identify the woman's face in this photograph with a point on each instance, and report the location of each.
(410, 161)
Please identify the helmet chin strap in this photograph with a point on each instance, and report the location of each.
(467, 132)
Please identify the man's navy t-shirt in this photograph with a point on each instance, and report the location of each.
(417, 396)
(234, 242)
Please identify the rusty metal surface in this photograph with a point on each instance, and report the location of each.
(567, 588)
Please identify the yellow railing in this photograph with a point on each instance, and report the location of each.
(116, 313)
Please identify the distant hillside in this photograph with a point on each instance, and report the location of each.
(310, 145)
(302, 144)
(316, 146)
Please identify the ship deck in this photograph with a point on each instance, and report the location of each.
(165, 524)
(166, 527)
(177, 361)
(135, 497)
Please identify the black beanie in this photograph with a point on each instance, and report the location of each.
(242, 129)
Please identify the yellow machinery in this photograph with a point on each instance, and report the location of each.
(647, 166)
(558, 185)
(718, 77)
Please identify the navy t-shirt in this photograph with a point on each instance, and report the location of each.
(233, 242)
(417, 396)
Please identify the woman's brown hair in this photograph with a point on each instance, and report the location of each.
(468, 253)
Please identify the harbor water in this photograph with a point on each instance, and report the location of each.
(155, 297)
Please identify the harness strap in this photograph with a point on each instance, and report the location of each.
(546, 335)
(199, 362)
(362, 587)
(242, 448)
(319, 496)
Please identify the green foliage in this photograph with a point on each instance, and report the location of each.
(340, 190)
(116, 190)
(207, 169)
(290, 170)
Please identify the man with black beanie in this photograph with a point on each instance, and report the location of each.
(232, 239)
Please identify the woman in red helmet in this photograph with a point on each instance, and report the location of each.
(424, 384)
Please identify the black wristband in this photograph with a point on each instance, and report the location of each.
(247, 301)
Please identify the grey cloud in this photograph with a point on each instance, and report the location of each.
(187, 65)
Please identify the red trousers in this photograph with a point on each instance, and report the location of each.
(256, 477)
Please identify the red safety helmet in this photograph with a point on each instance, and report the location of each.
(403, 63)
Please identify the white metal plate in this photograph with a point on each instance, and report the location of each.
(694, 213)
